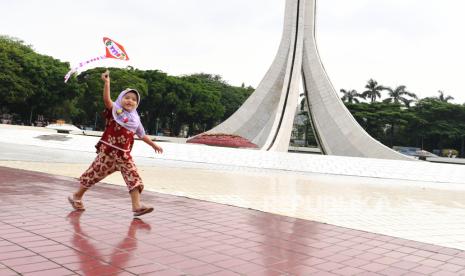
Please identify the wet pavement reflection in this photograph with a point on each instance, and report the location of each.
(40, 236)
(87, 247)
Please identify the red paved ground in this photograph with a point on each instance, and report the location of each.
(40, 235)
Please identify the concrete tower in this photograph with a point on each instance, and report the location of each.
(267, 116)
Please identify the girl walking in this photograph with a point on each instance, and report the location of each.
(114, 148)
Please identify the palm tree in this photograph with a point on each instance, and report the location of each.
(407, 102)
(350, 96)
(373, 90)
(397, 95)
(443, 98)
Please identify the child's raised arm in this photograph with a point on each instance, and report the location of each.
(106, 90)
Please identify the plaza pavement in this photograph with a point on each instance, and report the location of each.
(375, 225)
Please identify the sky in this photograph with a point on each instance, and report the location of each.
(417, 43)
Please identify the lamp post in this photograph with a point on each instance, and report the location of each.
(30, 117)
(156, 126)
(462, 147)
(95, 121)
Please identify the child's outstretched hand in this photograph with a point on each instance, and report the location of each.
(106, 76)
(157, 148)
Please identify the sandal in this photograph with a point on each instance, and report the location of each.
(77, 204)
(142, 210)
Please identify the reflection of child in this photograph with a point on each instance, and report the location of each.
(114, 148)
(120, 255)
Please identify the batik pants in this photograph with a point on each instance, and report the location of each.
(105, 165)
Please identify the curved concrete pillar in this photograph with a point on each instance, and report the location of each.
(261, 117)
(266, 118)
(336, 129)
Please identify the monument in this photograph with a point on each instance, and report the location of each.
(266, 117)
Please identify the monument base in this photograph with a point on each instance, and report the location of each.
(222, 140)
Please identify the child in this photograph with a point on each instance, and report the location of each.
(114, 148)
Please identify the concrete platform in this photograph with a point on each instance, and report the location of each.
(442, 175)
(41, 235)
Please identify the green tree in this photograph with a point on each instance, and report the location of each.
(444, 98)
(398, 94)
(14, 87)
(152, 105)
(32, 84)
(206, 101)
(232, 98)
(441, 124)
(350, 96)
(373, 90)
(386, 122)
